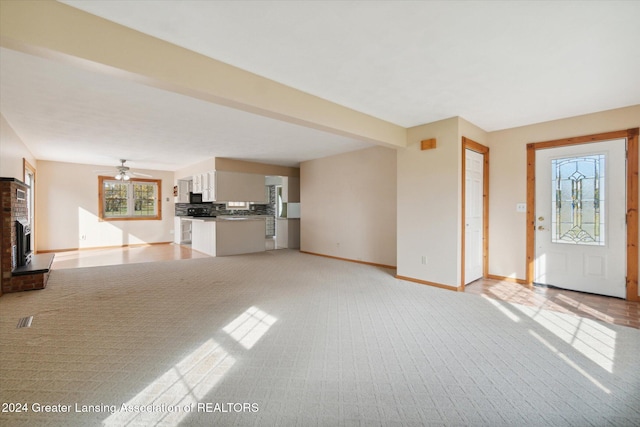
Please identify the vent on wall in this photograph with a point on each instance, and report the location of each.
(25, 322)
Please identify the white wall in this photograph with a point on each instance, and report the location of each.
(429, 185)
(508, 179)
(12, 152)
(348, 206)
(67, 208)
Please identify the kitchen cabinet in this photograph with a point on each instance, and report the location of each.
(184, 188)
(205, 184)
(239, 187)
(197, 183)
(208, 180)
(232, 236)
(182, 230)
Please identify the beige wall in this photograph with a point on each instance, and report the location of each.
(348, 206)
(507, 228)
(12, 152)
(67, 208)
(429, 204)
(233, 165)
(203, 166)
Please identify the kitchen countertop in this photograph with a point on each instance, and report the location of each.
(226, 218)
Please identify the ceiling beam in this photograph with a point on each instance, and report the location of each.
(57, 31)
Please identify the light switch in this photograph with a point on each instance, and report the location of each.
(521, 207)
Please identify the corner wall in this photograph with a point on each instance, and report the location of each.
(348, 205)
(429, 185)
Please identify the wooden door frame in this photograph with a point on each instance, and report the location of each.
(631, 135)
(484, 150)
(29, 168)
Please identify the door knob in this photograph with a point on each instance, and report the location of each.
(540, 218)
(540, 228)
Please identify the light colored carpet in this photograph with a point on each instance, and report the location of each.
(283, 338)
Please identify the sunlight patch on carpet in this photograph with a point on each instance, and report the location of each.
(164, 400)
(250, 326)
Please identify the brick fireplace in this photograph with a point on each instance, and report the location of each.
(35, 271)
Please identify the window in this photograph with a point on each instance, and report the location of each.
(237, 205)
(135, 199)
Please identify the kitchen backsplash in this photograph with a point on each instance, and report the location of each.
(221, 208)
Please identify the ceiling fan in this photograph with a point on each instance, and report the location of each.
(124, 173)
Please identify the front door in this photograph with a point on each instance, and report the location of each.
(580, 237)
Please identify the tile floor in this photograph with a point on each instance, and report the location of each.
(606, 309)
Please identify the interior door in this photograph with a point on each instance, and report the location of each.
(580, 238)
(474, 210)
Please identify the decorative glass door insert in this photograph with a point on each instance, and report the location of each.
(577, 214)
(580, 232)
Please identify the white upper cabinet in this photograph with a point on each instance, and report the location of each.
(208, 186)
(239, 187)
(184, 187)
(197, 183)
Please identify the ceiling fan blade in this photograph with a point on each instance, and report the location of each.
(140, 174)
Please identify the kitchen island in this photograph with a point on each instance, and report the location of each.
(221, 236)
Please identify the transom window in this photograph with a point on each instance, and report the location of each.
(135, 199)
(578, 198)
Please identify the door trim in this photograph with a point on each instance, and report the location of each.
(631, 135)
(484, 150)
(26, 169)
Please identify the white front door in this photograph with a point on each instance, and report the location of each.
(580, 236)
(474, 186)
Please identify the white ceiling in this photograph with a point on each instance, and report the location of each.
(498, 64)
(69, 114)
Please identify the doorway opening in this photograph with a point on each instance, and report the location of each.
(539, 222)
(475, 212)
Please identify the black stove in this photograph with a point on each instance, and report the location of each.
(199, 212)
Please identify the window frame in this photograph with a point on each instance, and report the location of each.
(156, 217)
